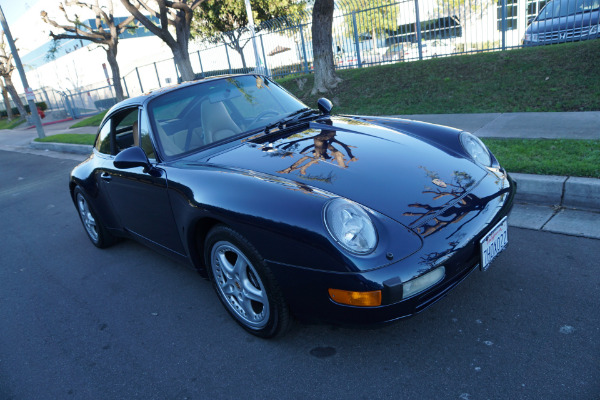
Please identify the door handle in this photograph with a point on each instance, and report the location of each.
(106, 177)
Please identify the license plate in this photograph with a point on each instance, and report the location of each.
(493, 243)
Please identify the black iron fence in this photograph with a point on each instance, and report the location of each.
(365, 33)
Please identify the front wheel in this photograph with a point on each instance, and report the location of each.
(94, 228)
(244, 284)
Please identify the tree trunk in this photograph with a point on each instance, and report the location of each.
(9, 113)
(240, 51)
(180, 52)
(111, 56)
(234, 44)
(182, 59)
(322, 18)
(15, 97)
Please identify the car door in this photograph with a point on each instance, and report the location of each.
(140, 198)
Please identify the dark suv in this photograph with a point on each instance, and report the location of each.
(564, 21)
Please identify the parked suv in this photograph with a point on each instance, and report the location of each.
(564, 21)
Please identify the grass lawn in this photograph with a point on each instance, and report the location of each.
(551, 78)
(5, 124)
(94, 120)
(548, 156)
(73, 138)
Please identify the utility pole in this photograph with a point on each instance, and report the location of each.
(259, 67)
(28, 91)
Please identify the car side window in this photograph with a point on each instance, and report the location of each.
(118, 132)
(103, 141)
(145, 141)
(125, 121)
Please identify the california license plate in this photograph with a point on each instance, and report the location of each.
(493, 243)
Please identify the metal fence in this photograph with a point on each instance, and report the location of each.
(364, 33)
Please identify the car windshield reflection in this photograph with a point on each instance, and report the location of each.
(564, 8)
(192, 118)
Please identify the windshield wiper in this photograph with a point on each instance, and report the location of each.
(290, 119)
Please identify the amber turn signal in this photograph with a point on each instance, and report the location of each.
(361, 299)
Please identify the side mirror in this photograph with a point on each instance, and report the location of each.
(132, 157)
(530, 20)
(325, 105)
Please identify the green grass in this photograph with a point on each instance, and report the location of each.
(94, 120)
(5, 124)
(548, 156)
(73, 138)
(563, 77)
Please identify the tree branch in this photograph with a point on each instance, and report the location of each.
(163, 31)
(77, 36)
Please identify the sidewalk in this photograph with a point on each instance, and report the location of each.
(561, 204)
(556, 125)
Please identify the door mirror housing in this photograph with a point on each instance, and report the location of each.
(325, 105)
(132, 157)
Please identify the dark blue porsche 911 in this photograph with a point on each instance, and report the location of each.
(291, 211)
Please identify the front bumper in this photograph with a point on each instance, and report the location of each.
(559, 37)
(455, 245)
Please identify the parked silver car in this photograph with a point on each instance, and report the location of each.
(563, 21)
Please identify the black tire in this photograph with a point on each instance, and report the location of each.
(93, 226)
(244, 284)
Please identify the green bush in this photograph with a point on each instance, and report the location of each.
(41, 104)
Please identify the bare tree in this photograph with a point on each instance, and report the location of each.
(177, 14)
(105, 33)
(6, 70)
(7, 106)
(322, 22)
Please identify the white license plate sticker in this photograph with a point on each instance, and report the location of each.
(493, 243)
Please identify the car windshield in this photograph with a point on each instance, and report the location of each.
(563, 8)
(197, 116)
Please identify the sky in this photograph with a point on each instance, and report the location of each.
(80, 67)
(13, 9)
(25, 23)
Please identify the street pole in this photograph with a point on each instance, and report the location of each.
(28, 92)
(259, 67)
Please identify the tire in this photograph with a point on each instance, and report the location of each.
(92, 225)
(243, 283)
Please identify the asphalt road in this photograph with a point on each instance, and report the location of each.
(125, 323)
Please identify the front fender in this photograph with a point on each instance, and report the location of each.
(283, 219)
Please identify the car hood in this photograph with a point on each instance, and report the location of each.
(387, 170)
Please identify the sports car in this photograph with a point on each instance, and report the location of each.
(292, 212)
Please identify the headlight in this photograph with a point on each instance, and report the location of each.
(350, 226)
(475, 148)
(531, 37)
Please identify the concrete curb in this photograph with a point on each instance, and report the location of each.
(62, 147)
(563, 191)
(58, 121)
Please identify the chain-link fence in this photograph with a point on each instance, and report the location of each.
(364, 33)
